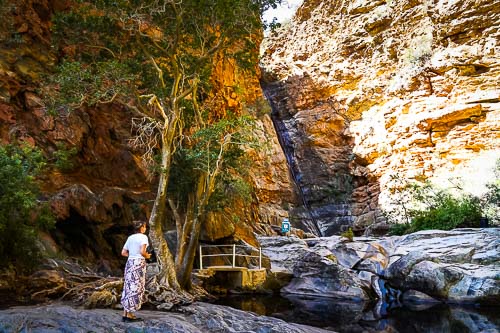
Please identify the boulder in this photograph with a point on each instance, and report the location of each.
(457, 266)
(315, 274)
(283, 252)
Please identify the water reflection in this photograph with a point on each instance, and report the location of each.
(355, 317)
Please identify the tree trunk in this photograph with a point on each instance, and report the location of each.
(206, 185)
(186, 265)
(165, 259)
(185, 234)
(163, 288)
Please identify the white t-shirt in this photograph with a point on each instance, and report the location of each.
(133, 245)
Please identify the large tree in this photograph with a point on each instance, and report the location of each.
(157, 57)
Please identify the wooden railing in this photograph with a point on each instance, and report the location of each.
(233, 255)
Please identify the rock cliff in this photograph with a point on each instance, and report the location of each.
(96, 182)
(364, 90)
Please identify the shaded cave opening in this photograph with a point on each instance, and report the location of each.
(91, 243)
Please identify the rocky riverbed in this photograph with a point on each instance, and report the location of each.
(196, 318)
(398, 273)
(457, 266)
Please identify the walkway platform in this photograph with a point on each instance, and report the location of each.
(235, 277)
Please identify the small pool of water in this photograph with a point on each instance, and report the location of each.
(353, 317)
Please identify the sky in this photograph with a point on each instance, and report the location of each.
(284, 12)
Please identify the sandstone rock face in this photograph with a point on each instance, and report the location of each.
(106, 185)
(364, 90)
(197, 318)
(269, 174)
(272, 180)
(460, 266)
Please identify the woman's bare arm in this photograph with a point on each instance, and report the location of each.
(144, 253)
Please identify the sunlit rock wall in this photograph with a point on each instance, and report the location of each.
(367, 90)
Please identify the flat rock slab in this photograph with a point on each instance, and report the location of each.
(196, 318)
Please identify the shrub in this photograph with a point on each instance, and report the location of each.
(21, 214)
(414, 61)
(438, 209)
(259, 108)
(399, 229)
(492, 202)
(64, 157)
(348, 234)
(447, 214)
(491, 199)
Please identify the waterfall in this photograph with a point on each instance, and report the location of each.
(287, 146)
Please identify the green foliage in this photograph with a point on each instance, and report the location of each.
(157, 58)
(21, 215)
(226, 136)
(493, 194)
(415, 60)
(229, 190)
(402, 199)
(78, 84)
(438, 209)
(400, 229)
(448, 213)
(259, 108)
(420, 50)
(348, 234)
(216, 150)
(139, 52)
(120, 45)
(491, 199)
(64, 157)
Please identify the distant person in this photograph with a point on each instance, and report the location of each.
(135, 271)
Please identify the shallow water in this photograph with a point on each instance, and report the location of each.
(352, 317)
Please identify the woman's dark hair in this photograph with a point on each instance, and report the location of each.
(138, 225)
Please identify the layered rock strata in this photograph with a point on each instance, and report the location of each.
(366, 91)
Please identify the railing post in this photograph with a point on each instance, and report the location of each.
(260, 257)
(234, 255)
(201, 259)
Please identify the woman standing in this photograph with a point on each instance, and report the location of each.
(135, 271)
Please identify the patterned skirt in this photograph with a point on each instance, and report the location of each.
(133, 286)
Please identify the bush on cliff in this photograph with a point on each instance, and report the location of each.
(64, 157)
(448, 213)
(21, 214)
(438, 209)
(491, 199)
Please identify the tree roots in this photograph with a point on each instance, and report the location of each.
(67, 280)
